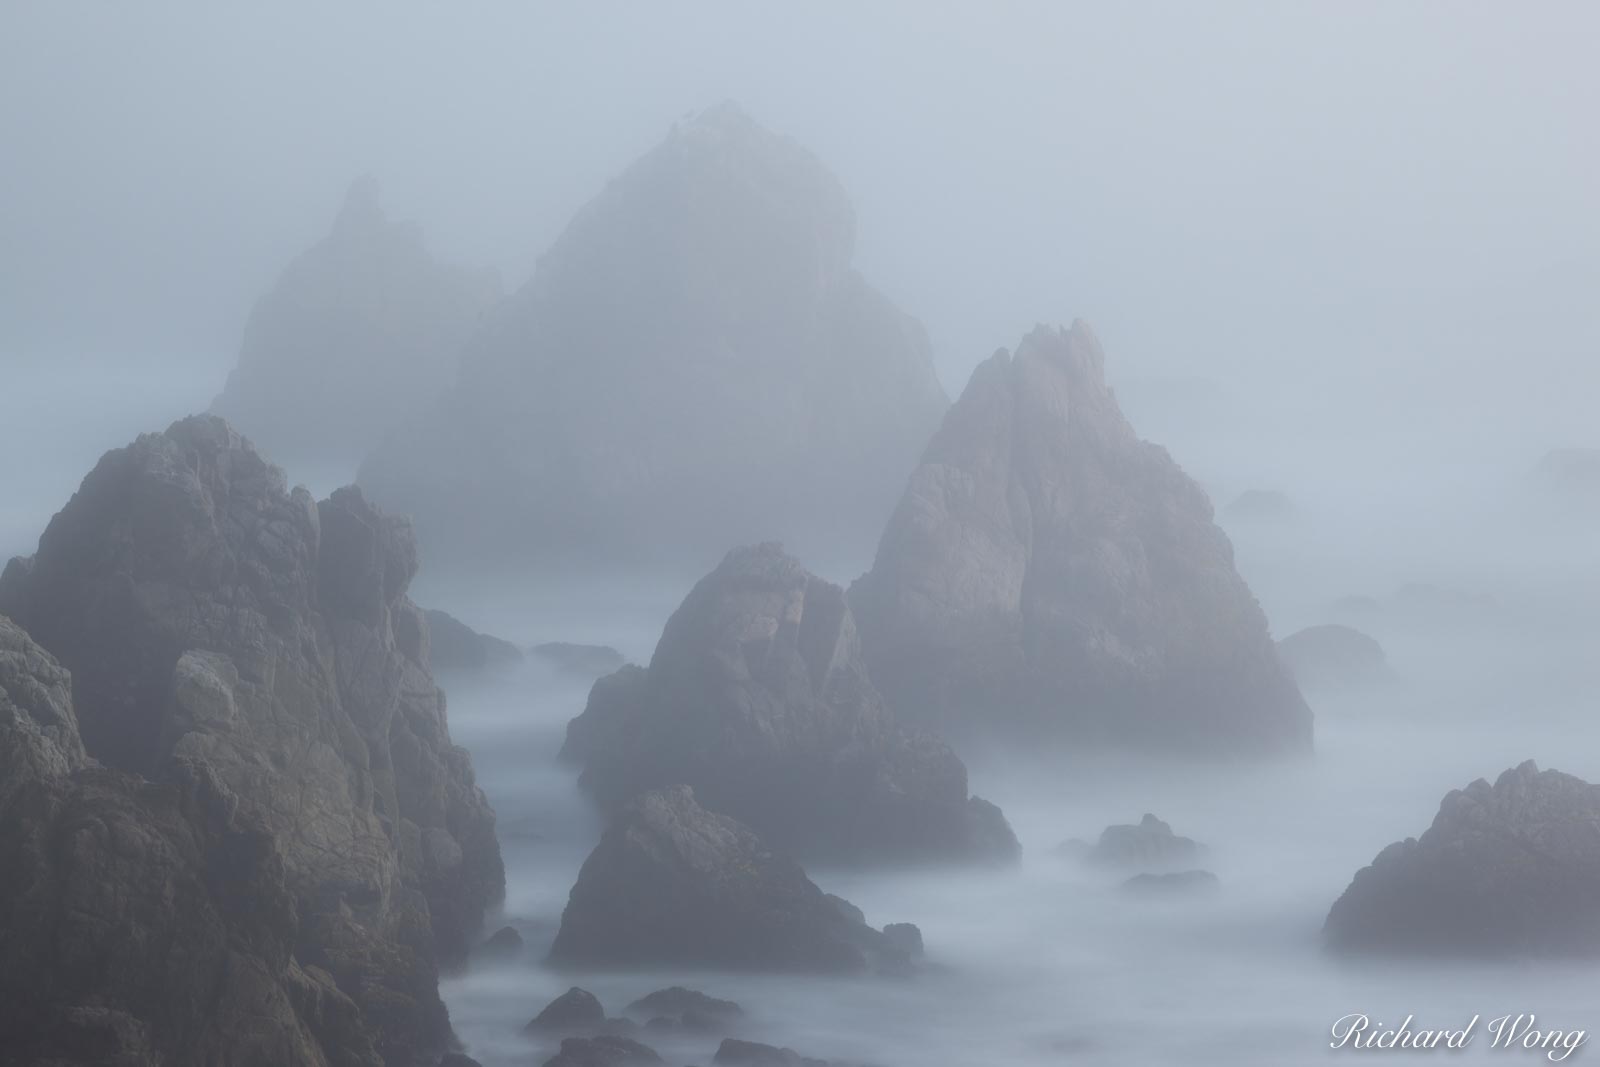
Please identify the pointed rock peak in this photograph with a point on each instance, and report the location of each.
(362, 208)
(1076, 350)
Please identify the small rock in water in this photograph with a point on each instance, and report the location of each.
(1149, 846)
(576, 1009)
(688, 1008)
(906, 937)
(607, 1050)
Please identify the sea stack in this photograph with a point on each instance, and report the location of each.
(694, 363)
(1049, 576)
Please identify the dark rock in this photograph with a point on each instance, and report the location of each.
(360, 331)
(1149, 846)
(1260, 505)
(1334, 656)
(694, 363)
(672, 884)
(905, 937)
(1505, 870)
(736, 1053)
(453, 645)
(458, 1059)
(588, 661)
(605, 1050)
(143, 922)
(678, 1003)
(1049, 576)
(576, 1010)
(758, 698)
(847, 909)
(504, 942)
(1171, 883)
(210, 616)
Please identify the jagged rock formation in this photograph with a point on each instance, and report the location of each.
(360, 331)
(672, 884)
(212, 619)
(453, 645)
(1050, 575)
(694, 363)
(142, 922)
(758, 698)
(1505, 870)
(1333, 656)
(1150, 845)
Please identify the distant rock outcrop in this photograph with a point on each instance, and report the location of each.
(758, 698)
(453, 645)
(1332, 656)
(1050, 575)
(694, 363)
(361, 330)
(1171, 883)
(220, 626)
(672, 884)
(1148, 846)
(587, 661)
(1505, 870)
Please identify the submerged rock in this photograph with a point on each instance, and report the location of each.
(453, 645)
(694, 363)
(214, 619)
(588, 661)
(1047, 575)
(1148, 846)
(1505, 870)
(678, 1003)
(1171, 883)
(672, 884)
(604, 1050)
(1334, 656)
(360, 331)
(758, 698)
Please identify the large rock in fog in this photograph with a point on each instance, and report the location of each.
(694, 363)
(672, 884)
(758, 698)
(212, 617)
(142, 923)
(360, 331)
(1050, 574)
(1332, 656)
(1507, 869)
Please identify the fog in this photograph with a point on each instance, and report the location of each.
(1345, 253)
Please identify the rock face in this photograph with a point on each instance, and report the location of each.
(1050, 575)
(671, 884)
(1335, 657)
(758, 698)
(360, 331)
(142, 922)
(220, 626)
(1148, 846)
(453, 645)
(693, 363)
(1505, 870)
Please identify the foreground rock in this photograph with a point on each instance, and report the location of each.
(453, 645)
(671, 884)
(758, 698)
(222, 628)
(694, 363)
(360, 331)
(98, 866)
(1049, 575)
(1505, 870)
(1150, 845)
(1335, 657)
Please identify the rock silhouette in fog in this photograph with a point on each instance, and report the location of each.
(97, 866)
(672, 884)
(735, 1053)
(604, 1050)
(1049, 574)
(453, 645)
(1149, 845)
(694, 363)
(758, 698)
(575, 1010)
(213, 619)
(360, 330)
(1170, 883)
(1508, 869)
(686, 1009)
(1332, 656)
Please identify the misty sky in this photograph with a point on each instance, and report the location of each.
(1393, 202)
